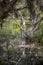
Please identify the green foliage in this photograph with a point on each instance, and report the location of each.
(10, 27)
(39, 34)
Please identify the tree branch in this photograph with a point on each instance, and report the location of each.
(39, 20)
(20, 8)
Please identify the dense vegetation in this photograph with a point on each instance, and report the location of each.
(21, 32)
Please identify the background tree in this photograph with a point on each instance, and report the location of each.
(24, 28)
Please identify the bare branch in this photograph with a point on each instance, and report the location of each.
(38, 21)
(21, 8)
